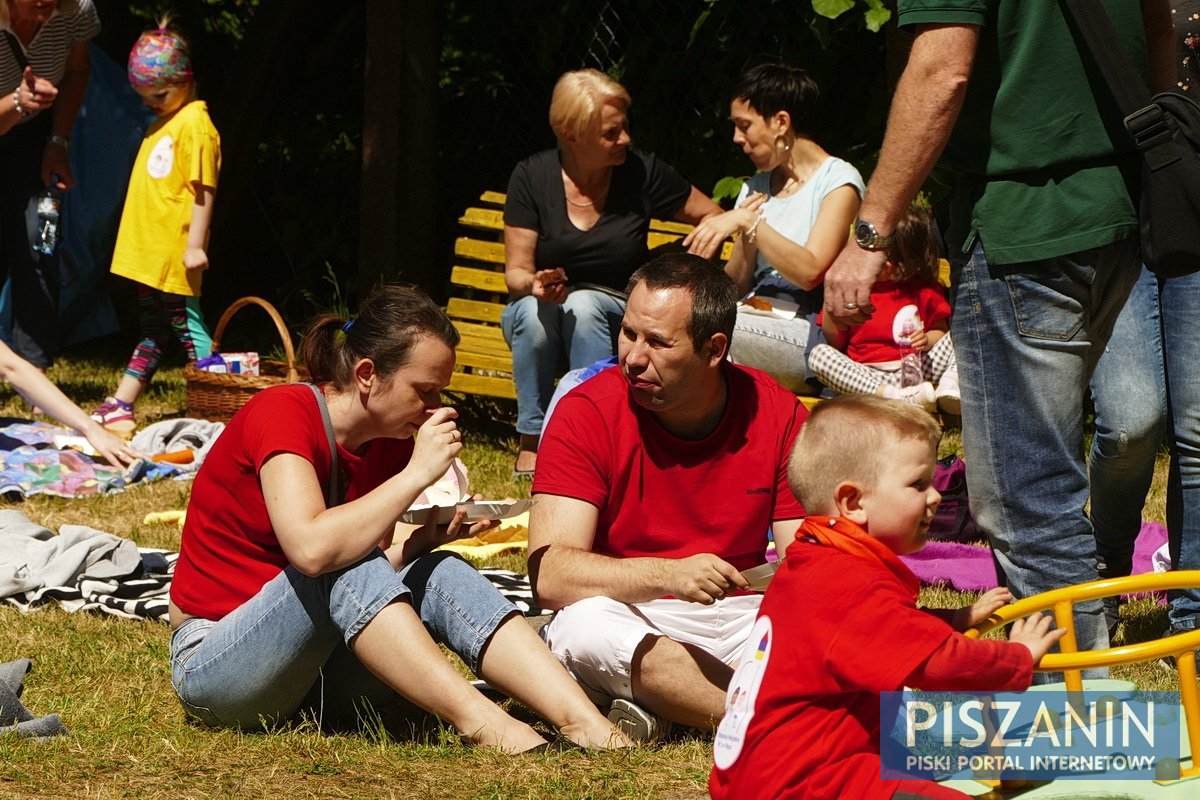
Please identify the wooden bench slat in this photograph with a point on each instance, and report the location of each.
(482, 384)
(459, 308)
(670, 226)
(487, 219)
(487, 333)
(490, 252)
(489, 280)
(493, 252)
(493, 219)
(495, 363)
(658, 239)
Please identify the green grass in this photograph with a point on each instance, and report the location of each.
(110, 681)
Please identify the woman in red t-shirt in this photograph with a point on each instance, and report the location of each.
(285, 601)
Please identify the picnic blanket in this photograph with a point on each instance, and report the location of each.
(32, 462)
(971, 568)
(81, 569)
(183, 433)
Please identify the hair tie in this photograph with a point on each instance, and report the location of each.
(349, 324)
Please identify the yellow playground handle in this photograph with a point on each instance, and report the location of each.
(1070, 661)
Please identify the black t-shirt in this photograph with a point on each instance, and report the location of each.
(642, 187)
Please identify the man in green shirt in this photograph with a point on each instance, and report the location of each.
(999, 91)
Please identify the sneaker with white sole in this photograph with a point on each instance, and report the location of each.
(948, 397)
(116, 416)
(921, 395)
(637, 723)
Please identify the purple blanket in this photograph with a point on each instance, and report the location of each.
(969, 568)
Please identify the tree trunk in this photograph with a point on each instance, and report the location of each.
(399, 146)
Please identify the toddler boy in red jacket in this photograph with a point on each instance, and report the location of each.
(839, 623)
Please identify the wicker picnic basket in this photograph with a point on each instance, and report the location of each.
(217, 395)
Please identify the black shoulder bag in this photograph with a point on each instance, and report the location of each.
(1166, 130)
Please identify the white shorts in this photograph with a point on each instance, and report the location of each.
(595, 639)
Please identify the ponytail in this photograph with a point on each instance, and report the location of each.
(389, 322)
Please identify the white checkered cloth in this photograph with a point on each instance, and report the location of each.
(839, 372)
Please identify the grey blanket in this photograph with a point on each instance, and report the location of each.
(177, 434)
(81, 568)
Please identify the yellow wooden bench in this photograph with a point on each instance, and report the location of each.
(477, 282)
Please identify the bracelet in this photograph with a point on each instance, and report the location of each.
(24, 112)
(752, 232)
(61, 141)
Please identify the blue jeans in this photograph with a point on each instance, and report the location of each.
(584, 328)
(1129, 392)
(287, 648)
(1027, 339)
(1181, 346)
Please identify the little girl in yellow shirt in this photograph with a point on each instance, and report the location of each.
(163, 237)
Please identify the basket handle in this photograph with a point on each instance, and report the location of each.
(284, 336)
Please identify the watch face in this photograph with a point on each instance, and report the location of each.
(864, 232)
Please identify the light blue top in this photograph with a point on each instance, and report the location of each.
(795, 216)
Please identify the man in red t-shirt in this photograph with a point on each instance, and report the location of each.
(657, 483)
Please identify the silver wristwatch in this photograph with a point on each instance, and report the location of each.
(868, 238)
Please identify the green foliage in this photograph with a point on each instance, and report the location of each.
(335, 301)
(874, 17)
(726, 190)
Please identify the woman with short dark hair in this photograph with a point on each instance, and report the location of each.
(792, 219)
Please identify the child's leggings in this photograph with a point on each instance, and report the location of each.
(839, 372)
(159, 314)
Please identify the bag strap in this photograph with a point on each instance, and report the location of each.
(1145, 119)
(333, 496)
(17, 51)
(1108, 54)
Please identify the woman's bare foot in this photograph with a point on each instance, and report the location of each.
(596, 735)
(502, 732)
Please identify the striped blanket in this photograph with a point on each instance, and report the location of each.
(83, 569)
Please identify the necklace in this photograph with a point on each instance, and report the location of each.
(599, 197)
(586, 203)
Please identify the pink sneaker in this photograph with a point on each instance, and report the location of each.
(115, 415)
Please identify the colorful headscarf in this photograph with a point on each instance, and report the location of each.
(159, 58)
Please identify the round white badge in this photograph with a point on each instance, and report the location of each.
(907, 320)
(162, 158)
(742, 695)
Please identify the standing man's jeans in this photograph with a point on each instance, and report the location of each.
(1129, 392)
(1181, 345)
(1027, 339)
(584, 328)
